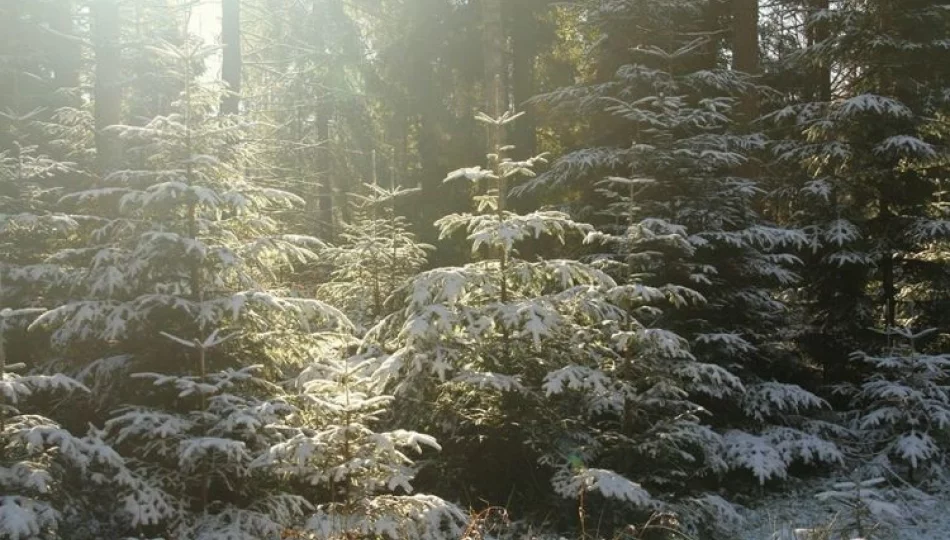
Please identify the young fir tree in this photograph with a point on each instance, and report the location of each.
(862, 162)
(358, 477)
(176, 321)
(553, 358)
(29, 179)
(42, 150)
(42, 465)
(50, 477)
(863, 509)
(375, 256)
(680, 206)
(901, 408)
(313, 96)
(142, 84)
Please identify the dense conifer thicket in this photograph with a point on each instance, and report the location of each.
(459, 269)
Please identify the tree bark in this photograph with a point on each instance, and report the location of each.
(324, 171)
(493, 47)
(745, 36)
(745, 48)
(888, 279)
(816, 33)
(713, 12)
(108, 89)
(231, 55)
(400, 143)
(10, 73)
(524, 37)
(889, 289)
(67, 58)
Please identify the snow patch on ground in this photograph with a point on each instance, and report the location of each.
(777, 517)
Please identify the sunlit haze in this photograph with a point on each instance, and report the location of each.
(475, 269)
(205, 21)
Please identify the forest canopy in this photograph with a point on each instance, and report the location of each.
(472, 269)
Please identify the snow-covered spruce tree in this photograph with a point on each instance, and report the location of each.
(681, 208)
(51, 476)
(863, 509)
(901, 409)
(358, 477)
(48, 476)
(177, 323)
(30, 182)
(515, 363)
(142, 24)
(861, 164)
(375, 255)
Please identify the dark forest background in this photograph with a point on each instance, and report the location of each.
(243, 273)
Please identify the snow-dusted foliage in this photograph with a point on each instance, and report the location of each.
(197, 462)
(865, 508)
(711, 239)
(46, 472)
(680, 197)
(376, 254)
(183, 236)
(858, 157)
(49, 473)
(780, 429)
(901, 409)
(330, 446)
(640, 331)
(23, 169)
(844, 247)
(29, 180)
(607, 483)
(176, 321)
(547, 355)
(856, 505)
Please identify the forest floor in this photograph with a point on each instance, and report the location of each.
(910, 515)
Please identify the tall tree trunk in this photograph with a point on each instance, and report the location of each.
(493, 47)
(108, 89)
(231, 57)
(493, 41)
(67, 58)
(745, 36)
(889, 289)
(324, 170)
(745, 48)
(431, 174)
(400, 143)
(323, 111)
(10, 73)
(712, 14)
(524, 36)
(816, 33)
(888, 279)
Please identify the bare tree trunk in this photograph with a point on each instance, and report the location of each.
(745, 48)
(493, 42)
(10, 76)
(400, 143)
(713, 12)
(524, 35)
(889, 289)
(818, 32)
(67, 59)
(108, 90)
(324, 171)
(745, 36)
(433, 193)
(231, 58)
(888, 279)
